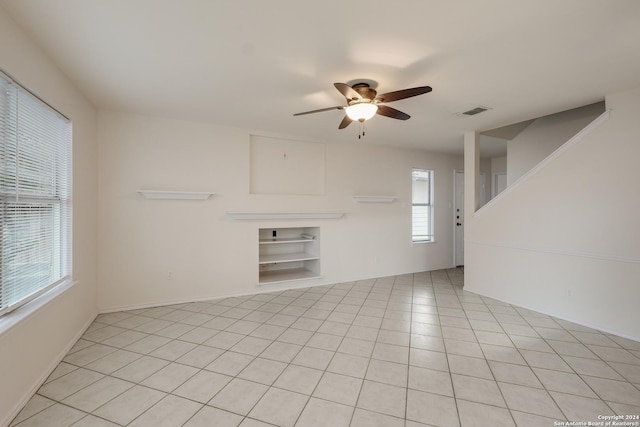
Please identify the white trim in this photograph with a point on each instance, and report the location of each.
(557, 316)
(52, 366)
(374, 199)
(275, 287)
(494, 184)
(483, 188)
(279, 277)
(422, 242)
(175, 195)
(553, 251)
(12, 318)
(430, 204)
(23, 87)
(578, 137)
(454, 214)
(247, 216)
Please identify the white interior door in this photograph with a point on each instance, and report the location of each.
(458, 217)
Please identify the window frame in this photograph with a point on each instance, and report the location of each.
(429, 237)
(39, 195)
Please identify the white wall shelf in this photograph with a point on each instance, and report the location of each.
(374, 199)
(277, 241)
(175, 195)
(292, 257)
(288, 254)
(245, 216)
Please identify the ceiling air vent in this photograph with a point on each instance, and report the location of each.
(475, 111)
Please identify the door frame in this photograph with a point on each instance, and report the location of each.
(494, 182)
(453, 214)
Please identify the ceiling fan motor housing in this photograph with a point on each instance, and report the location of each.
(367, 93)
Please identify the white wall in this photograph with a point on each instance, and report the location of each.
(30, 349)
(499, 164)
(565, 240)
(211, 255)
(544, 136)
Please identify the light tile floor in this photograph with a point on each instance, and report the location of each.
(406, 351)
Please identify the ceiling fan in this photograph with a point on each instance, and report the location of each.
(363, 102)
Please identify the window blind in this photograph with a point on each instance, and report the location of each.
(422, 205)
(35, 196)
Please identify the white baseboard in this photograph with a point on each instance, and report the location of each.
(557, 316)
(264, 289)
(54, 364)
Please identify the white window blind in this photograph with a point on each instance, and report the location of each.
(35, 196)
(422, 205)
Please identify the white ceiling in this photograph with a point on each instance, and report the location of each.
(253, 63)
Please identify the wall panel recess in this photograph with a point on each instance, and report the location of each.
(284, 166)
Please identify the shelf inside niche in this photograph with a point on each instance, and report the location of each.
(289, 275)
(175, 195)
(373, 199)
(290, 257)
(285, 240)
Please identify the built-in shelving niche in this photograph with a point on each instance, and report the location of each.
(288, 254)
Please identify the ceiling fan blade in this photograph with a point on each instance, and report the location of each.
(320, 110)
(383, 110)
(345, 122)
(347, 91)
(402, 94)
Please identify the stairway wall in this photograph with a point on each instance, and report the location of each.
(544, 135)
(565, 239)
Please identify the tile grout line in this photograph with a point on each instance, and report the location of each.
(396, 293)
(487, 360)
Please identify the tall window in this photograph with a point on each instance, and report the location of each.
(422, 205)
(35, 196)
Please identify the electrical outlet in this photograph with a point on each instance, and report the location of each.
(169, 275)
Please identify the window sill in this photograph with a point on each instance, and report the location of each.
(424, 242)
(14, 318)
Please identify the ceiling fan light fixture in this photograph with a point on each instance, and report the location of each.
(361, 111)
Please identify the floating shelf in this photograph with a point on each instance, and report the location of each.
(284, 215)
(175, 195)
(374, 199)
